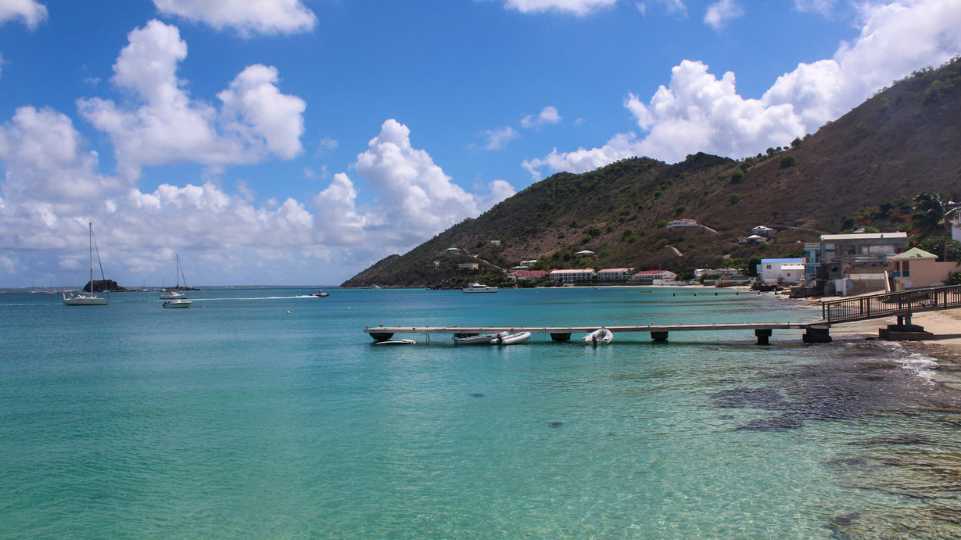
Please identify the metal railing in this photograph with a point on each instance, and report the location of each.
(892, 304)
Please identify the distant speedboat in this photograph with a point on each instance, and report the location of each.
(81, 299)
(505, 338)
(479, 288)
(601, 336)
(177, 304)
(320, 294)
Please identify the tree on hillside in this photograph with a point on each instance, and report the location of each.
(933, 218)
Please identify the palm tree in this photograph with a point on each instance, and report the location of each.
(932, 217)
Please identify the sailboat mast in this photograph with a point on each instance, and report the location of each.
(90, 227)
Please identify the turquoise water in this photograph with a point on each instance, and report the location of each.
(237, 419)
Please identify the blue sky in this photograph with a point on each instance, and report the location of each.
(298, 141)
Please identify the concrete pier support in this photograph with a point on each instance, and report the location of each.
(659, 337)
(817, 335)
(560, 337)
(904, 332)
(763, 336)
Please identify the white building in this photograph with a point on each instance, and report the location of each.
(526, 275)
(653, 277)
(585, 253)
(528, 263)
(682, 223)
(495, 242)
(452, 250)
(701, 272)
(468, 266)
(787, 271)
(573, 276)
(761, 230)
(753, 239)
(615, 274)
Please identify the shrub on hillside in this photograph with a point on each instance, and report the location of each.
(788, 161)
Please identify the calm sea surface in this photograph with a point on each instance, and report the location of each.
(237, 419)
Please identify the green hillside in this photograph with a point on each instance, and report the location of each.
(902, 141)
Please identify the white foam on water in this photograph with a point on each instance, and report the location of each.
(920, 364)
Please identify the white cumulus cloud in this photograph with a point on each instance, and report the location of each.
(49, 173)
(30, 12)
(256, 120)
(722, 11)
(697, 111)
(418, 198)
(824, 7)
(548, 115)
(244, 16)
(497, 139)
(573, 7)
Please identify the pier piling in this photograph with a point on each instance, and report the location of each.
(763, 336)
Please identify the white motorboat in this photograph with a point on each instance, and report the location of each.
(320, 294)
(473, 339)
(479, 288)
(505, 338)
(180, 303)
(175, 293)
(81, 299)
(601, 336)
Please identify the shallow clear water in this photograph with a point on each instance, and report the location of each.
(237, 419)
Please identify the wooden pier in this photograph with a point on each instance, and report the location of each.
(659, 332)
(901, 305)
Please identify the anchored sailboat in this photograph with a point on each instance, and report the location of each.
(173, 294)
(81, 299)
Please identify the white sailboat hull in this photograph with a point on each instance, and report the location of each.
(85, 300)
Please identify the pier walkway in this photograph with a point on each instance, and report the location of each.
(762, 331)
(900, 304)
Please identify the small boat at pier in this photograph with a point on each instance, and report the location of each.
(505, 338)
(601, 336)
(473, 339)
(396, 342)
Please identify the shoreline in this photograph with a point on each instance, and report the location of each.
(945, 347)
